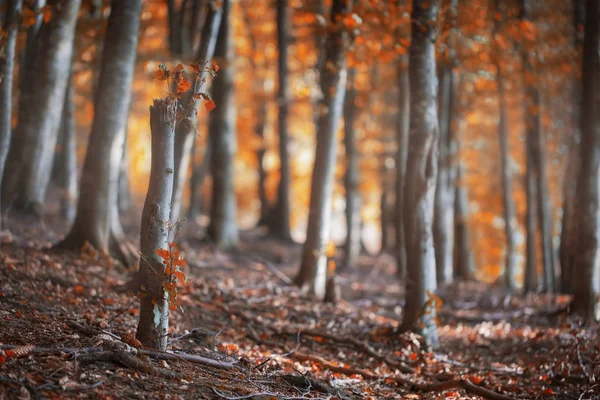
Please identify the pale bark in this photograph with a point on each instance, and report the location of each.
(313, 269)
(421, 174)
(186, 128)
(223, 229)
(351, 178)
(199, 172)
(531, 283)
(154, 311)
(279, 225)
(587, 251)
(31, 152)
(7, 64)
(124, 194)
(65, 162)
(94, 222)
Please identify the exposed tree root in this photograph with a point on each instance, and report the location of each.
(128, 360)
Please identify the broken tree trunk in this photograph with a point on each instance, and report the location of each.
(154, 311)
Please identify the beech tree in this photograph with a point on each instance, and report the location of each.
(186, 131)
(65, 161)
(444, 195)
(510, 217)
(31, 151)
(97, 220)
(279, 220)
(222, 126)
(313, 269)
(421, 174)
(351, 177)
(153, 325)
(587, 250)
(7, 64)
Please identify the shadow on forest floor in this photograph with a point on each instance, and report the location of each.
(62, 311)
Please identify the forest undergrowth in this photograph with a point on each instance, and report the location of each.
(67, 330)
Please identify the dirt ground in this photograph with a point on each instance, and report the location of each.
(247, 334)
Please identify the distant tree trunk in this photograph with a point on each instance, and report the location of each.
(402, 129)
(510, 217)
(313, 269)
(386, 213)
(124, 194)
(31, 152)
(259, 129)
(351, 178)
(153, 325)
(223, 210)
(94, 222)
(279, 225)
(568, 229)
(7, 64)
(536, 166)
(199, 171)
(443, 223)
(186, 128)
(587, 251)
(531, 283)
(65, 162)
(421, 174)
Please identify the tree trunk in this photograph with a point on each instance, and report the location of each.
(510, 217)
(531, 283)
(197, 201)
(421, 175)
(568, 229)
(402, 129)
(124, 194)
(259, 129)
(464, 267)
(443, 223)
(100, 174)
(313, 269)
(386, 211)
(7, 64)
(280, 220)
(27, 67)
(186, 128)
(351, 179)
(587, 261)
(154, 311)
(31, 153)
(223, 225)
(65, 162)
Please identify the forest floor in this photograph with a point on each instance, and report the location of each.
(252, 336)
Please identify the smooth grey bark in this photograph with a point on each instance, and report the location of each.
(279, 225)
(31, 152)
(7, 64)
(443, 222)
(351, 178)
(27, 67)
(153, 325)
(223, 229)
(568, 233)
(186, 128)
(510, 217)
(96, 208)
(199, 172)
(402, 130)
(313, 269)
(421, 174)
(124, 193)
(65, 161)
(587, 261)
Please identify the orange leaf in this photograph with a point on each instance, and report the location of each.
(179, 262)
(172, 244)
(210, 105)
(215, 66)
(164, 254)
(168, 271)
(108, 301)
(161, 74)
(78, 289)
(47, 14)
(10, 353)
(180, 67)
(183, 86)
(181, 276)
(413, 356)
